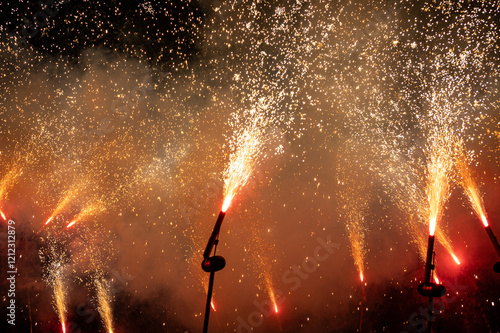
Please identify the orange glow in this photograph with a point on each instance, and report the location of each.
(485, 221)
(227, 202)
(361, 277)
(3, 215)
(275, 308)
(455, 258)
(212, 305)
(436, 279)
(50, 219)
(70, 225)
(63, 327)
(470, 186)
(432, 227)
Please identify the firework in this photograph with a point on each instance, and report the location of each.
(471, 189)
(104, 307)
(60, 294)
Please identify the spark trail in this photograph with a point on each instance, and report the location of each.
(104, 301)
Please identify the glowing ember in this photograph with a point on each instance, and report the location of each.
(227, 202)
(72, 223)
(361, 277)
(103, 299)
(3, 215)
(455, 258)
(212, 305)
(485, 221)
(50, 219)
(270, 291)
(432, 226)
(436, 278)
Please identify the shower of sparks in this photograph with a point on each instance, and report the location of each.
(246, 146)
(469, 184)
(10, 179)
(68, 197)
(89, 210)
(356, 236)
(60, 293)
(270, 291)
(437, 187)
(109, 108)
(104, 301)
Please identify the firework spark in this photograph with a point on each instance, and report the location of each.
(469, 184)
(247, 146)
(60, 294)
(104, 307)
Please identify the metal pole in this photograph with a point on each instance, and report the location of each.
(429, 321)
(209, 301)
(493, 239)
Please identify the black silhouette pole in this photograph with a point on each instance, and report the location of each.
(429, 288)
(212, 264)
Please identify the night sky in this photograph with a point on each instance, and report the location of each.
(337, 133)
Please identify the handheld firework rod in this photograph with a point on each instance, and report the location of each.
(494, 240)
(428, 288)
(212, 264)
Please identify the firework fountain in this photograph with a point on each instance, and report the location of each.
(437, 192)
(472, 191)
(104, 301)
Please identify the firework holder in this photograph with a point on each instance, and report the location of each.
(212, 264)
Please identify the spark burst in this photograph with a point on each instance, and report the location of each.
(104, 301)
(246, 147)
(60, 292)
(469, 184)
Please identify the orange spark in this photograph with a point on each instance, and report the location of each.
(71, 224)
(50, 219)
(455, 258)
(432, 226)
(3, 215)
(361, 277)
(485, 221)
(275, 308)
(469, 184)
(212, 305)
(104, 303)
(227, 202)
(63, 327)
(436, 278)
